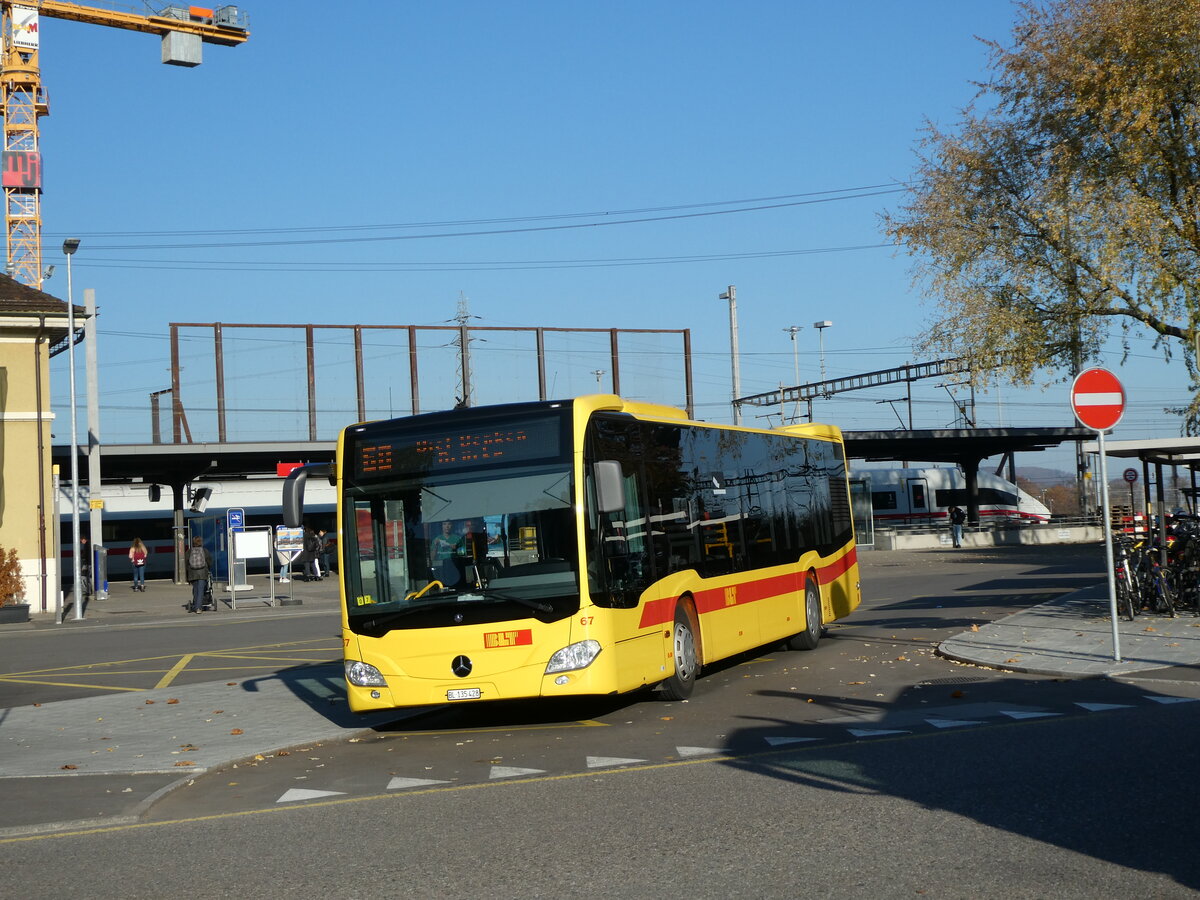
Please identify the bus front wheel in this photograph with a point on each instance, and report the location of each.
(687, 659)
(811, 635)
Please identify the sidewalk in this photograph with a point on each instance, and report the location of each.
(1071, 637)
(104, 760)
(164, 599)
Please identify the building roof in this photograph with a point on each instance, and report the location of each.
(20, 302)
(21, 299)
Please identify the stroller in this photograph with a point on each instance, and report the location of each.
(209, 602)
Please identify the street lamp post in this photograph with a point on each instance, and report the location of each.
(70, 245)
(731, 296)
(791, 330)
(821, 326)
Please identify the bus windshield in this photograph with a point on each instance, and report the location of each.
(494, 537)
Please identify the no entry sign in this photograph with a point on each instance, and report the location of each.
(1097, 399)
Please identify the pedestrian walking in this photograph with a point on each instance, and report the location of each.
(137, 557)
(957, 517)
(199, 571)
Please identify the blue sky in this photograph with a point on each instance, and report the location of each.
(563, 164)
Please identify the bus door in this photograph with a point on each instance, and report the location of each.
(918, 500)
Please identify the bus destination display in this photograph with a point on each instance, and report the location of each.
(464, 448)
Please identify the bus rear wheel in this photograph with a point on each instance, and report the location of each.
(687, 659)
(811, 635)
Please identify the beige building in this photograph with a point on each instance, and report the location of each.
(33, 328)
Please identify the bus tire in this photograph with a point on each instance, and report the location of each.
(685, 652)
(811, 635)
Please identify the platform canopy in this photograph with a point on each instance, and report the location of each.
(1180, 451)
(964, 446)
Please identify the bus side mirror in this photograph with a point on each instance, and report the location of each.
(610, 485)
(293, 491)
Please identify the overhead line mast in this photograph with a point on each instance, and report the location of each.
(23, 99)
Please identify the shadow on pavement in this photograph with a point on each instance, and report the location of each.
(1104, 781)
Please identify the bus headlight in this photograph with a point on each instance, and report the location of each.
(360, 674)
(574, 656)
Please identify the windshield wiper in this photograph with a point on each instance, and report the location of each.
(524, 601)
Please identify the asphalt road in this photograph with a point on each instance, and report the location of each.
(869, 767)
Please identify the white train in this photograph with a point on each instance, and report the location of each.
(129, 513)
(924, 496)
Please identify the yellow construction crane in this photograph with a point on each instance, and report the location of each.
(23, 100)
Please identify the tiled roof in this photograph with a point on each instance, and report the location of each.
(20, 299)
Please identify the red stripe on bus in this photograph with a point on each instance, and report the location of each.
(662, 610)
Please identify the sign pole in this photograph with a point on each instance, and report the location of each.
(1098, 401)
(1105, 524)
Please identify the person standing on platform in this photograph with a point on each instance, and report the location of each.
(199, 569)
(957, 517)
(137, 558)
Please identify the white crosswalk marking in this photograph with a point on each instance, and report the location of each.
(700, 751)
(1103, 707)
(872, 732)
(951, 723)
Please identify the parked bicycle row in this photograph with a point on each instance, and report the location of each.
(1157, 572)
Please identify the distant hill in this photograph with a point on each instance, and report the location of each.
(1045, 477)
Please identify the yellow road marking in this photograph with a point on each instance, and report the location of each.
(98, 687)
(175, 670)
(299, 659)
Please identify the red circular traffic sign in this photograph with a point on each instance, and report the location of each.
(1097, 399)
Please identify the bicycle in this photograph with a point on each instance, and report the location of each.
(1127, 582)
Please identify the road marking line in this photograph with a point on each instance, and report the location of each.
(599, 762)
(400, 783)
(175, 670)
(98, 687)
(295, 794)
(513, 772)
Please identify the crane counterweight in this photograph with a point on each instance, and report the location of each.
(23, 100)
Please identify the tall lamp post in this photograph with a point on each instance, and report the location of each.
(70, 245)
(821, 326)
(731, 296)
(791, 330)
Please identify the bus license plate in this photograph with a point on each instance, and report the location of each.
(463, 694)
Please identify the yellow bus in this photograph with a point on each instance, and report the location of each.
(581, 547)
